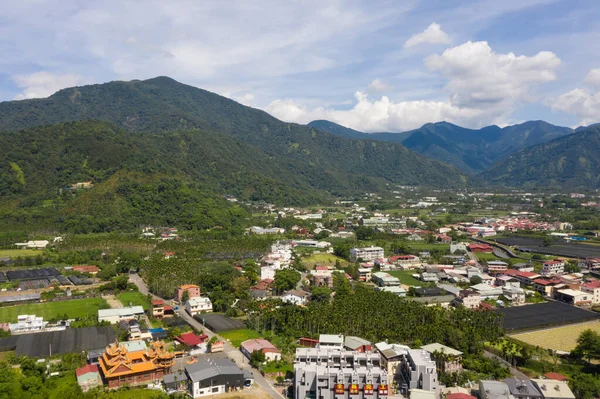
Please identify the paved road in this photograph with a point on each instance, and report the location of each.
(232, 352)
(514, 371)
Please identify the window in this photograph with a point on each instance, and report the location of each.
(215, 389)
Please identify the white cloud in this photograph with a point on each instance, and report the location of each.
(593, 77)
(378, 86)
(479, 77)
(483, 88)
(582, 102)
(432, 35)
(44, 84)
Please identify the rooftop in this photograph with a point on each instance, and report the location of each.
(436, 347)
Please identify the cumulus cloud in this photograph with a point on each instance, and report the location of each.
(593, 77)
(377, 86)
(479, 77)
(582, 102)
(432, 35)
(483, 88)
(44, 84)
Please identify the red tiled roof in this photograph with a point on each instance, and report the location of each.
(191, 339)
(556, 376)
(528, 274)
(592, 284)
(459, 395)
(90, 368)
(158, 302)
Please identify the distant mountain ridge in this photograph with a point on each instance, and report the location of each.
(566, 162)
(470, 150)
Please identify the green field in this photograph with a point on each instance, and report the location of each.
(406, 277)
(238, 336)
(488, 257)
(135, 298)
(323, 260)
(23, 253)
(425, 246)
(75, 309)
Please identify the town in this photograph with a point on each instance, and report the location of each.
(356, 300)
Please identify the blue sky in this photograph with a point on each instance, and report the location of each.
(371, 65)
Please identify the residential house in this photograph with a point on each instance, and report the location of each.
(487, 291)
(158, 308)
(192, 341)
(522, 389)
(592, 287)
(523, 267)
(418, 371)
(364, 274)
(331, 341)
(553, 267)
(515, 295)
(553, 389)
(574, 297)
(114, 316)
(447, 360)
(383, 279)
(507, 281)
(296, 297)
(27, 323)
(260, 344)
(215, 375)
(198, 305)
(494, 390)
(497, 266)
(406, 261)
(469, 298)
(192, 290)
(527, 278)
(367, 253)
(88, 377)
(546, 286)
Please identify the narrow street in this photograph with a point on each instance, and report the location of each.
(513, 370)
(232, 352)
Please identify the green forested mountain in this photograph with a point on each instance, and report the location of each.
(570, 162)
(470, 150)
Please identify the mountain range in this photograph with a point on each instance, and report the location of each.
(132, 138)
(470, 150)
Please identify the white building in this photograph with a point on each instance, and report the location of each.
(367, 253)
(268, 272)
(40, 244)
(198, 305)
(296, 297)
(312, 244)
(553, 267)
(28, 323)
(114, 316)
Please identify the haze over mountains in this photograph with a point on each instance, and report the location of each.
(470, 150)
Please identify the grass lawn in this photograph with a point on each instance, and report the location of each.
(323, 260)
(425, 246)
(75, 308)
(276, 367)
(136, 298)
(23, 253)
(238, 336)
(133, 394)
(559, 338)
(406, 277)
(488, 257)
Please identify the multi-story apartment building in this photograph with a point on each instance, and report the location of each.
(366, 254)
(332, 373)
(553, 267)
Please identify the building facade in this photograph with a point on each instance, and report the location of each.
(366, 254)
(329, 373)
(198, 305)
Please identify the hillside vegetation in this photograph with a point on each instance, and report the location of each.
(569, 162)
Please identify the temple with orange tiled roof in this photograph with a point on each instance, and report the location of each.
(120, 367)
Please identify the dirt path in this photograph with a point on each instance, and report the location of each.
(112, 301)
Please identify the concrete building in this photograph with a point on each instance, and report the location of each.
(114, 316)
(296, 297)
(330, 373)
(312, 244)
(447, 359)
(357, 344)
(515, 295)
(574, 297)
(469, 299)
(88, 377)
(366, 254)
(494, 390)
(192, 290)
(553, 267)
(28, 323)
(384, 279)
(198, 305)
(553, 389)
(331, 341)
(418, 371)
(260, 344)
(522, 389)
(406, 261)
(212, 375)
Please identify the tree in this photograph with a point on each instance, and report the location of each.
(588, 345)
(185, 296)
(364, 233)
(257, 358)
(475, 280)
(322, 234)
(286, 279)
(341, 285)
(320, 294)
(585, 386)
